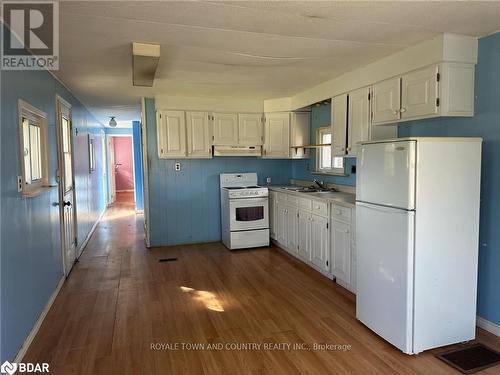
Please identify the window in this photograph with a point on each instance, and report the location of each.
(33, 145)
(324, 154)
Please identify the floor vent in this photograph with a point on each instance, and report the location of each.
(471, 359)
(167, 260)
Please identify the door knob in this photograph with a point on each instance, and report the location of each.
(67, 203)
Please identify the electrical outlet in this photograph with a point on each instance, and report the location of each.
(177, 166)
(268, 180)
(19, 184)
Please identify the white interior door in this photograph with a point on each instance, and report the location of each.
(66, 184)
(111, 169)
(385, 247)
(386, 174)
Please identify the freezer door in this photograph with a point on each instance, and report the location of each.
(386, 174)
(384, 299)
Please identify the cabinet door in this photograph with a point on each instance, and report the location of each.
(359, 119)
(225, 129)
(292, 228)
(277, 136)
(341, 251)
(419, 93)
(339, 125)
(171, 134)
(320, 242)
(281, 224)
(250, 129)
(300, 134)
(305, 230)
(272, 214)
(198, 135)
(386, 101)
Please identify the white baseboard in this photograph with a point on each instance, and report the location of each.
(488, 326)
(87, 239)
(38, 324)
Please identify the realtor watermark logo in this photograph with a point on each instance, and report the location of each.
(30, 37)
(30, 368)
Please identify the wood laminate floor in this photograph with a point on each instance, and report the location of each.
(119, 300)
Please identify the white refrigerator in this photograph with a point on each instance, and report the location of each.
(417, 233)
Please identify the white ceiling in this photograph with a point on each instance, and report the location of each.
(242, 48)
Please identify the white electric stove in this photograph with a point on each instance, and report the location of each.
(244, 211)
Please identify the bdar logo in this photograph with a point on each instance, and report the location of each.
(8, 368)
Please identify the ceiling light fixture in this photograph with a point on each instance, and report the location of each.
(112, 121)
(145, 57)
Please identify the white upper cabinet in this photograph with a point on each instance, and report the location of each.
(199, 138)
(359, 119)
(225, 129)
(171, 134)
(386, 101)
(419, 91)
(277, 136)
(250, 129)
(300, 133)
(339, 124)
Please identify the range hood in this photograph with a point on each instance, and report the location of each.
(237, 150)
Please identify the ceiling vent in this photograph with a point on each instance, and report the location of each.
(144, 63)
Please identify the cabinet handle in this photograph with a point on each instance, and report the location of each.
(396, 111)
(348, 149)
(403, 110)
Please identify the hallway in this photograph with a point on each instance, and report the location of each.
(119, 300)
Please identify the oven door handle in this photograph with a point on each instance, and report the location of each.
(249, 201)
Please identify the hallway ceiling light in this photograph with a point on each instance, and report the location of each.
(112, 122)
(144, 63)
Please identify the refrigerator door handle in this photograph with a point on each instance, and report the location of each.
(381, 207)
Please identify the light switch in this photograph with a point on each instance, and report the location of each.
(177, 166)
(268, 180)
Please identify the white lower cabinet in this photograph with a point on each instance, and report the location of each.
(320, 243)
(319, 233)
(292, 218)
(305, 235)
(343, 248)
(341, 241)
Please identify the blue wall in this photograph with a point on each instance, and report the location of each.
(31, 260)
(486, 124)
(301, 169)
(185, 205)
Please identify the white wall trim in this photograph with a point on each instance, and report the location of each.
(87, 239)
(22, 352)
(488, 326)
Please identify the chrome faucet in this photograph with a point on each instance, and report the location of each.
(321, 184)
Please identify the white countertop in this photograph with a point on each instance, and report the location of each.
(345, 199)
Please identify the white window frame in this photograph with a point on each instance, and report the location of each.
(27, 111)
(319, 169)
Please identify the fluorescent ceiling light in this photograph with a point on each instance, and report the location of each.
(144, 63)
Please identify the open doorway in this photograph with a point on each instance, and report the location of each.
(121, 169)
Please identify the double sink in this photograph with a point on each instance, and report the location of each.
(300, 189)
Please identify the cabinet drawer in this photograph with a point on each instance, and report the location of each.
(292, 200)
(305, 203)
(341, 213)
(320, 208)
